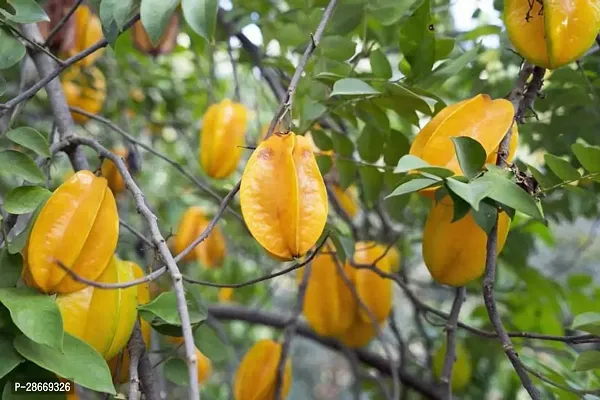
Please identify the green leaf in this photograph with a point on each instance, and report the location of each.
(588, 156)
(509, 193)
(411, 186)
(165, 308)
(78, 361)
(443, 47)
(352, 87)
(20, 165)
(201, 16)
(155, 15)
(337, 47)
(408, 97)
(30, 138)
(176, 371)
(370, 144)
(588, 322)
(10, 268)
(11, 50)
(485, 217)
(35, 314)
(372, 181)
(396, 146)
(324, 163)
(208, 342)
(483, 30)
(346, 17)
(374, 117)
(409, 163)
(347, 171)
(107, 18)
(389, 12)
(380, 66)
(322, 140)
(587, 361)
(561, 168)
(122, 12)
(9, 358)
(18, 242)
(312, 110)
(471, 155)
(472, 192)
(25, 199)
(342, 144)
(417, 41)
(453, 66)
(26, 12)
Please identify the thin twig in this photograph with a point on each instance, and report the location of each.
(56, 71)
(131, 229)
(161, 245)
(450, 357)
(64, 122)
(200, 184)
(33, 45)
(286, 105)
(60, 23)
(290, 331)
(136, 348)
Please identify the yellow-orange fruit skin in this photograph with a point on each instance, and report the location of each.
(110, 172)
(88, 31)
(103, 318)
(552, 33)
(79, 226)
(85, 89)
(455, 253)
(143, 297)
(222, 139)
(359, 334)
(347, 199)
(374, 290)
(479, 117)
(283, 196)
(328, 302)
(256, 375)
(209, 252)
(226, 294)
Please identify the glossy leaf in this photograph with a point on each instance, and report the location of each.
(372, 181)
(588, 322)
(201, 16)
(20, 165)
(155, 15)
(472, 192)
(35, 314)
(370, 144)
(30, 138)
(352, 87)
(26, 12)
(509, 193)
(561, 168)
(78, 361)
(588, 360)
(25, 199)
(588, 156)
(11, 51)
(380, 66)
(413, 185)
(471, 155)
(10, 268)
(9, 358)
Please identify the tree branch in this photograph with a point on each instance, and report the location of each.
(161, 245)
(278, 321)
(286, 104)
(64, 122)
(450, 358)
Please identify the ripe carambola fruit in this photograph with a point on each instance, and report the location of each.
(143, 297)
(209, 252)
(329, 306)
(78, 226)
(88, 31)
(110, 172)
(347, 199)
(103, 318)
(455, 253)
(552, 33)
(374, 291)
(226, 294)
(283, 196)
(85, 89)
(256, 375)
(480, 118)
(223, 134)
(461, 371)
